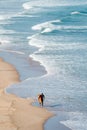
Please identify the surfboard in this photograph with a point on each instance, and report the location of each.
(39, 99)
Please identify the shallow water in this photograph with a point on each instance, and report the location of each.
(54, 34)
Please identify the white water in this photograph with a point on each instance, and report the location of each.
(54, 34)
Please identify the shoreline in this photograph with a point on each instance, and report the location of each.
(32, 69)
(15, 112)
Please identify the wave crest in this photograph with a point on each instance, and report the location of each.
(75, 12)
(27, 6)
(45, 27)
(52, 3)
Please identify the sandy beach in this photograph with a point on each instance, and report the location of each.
(17, 113)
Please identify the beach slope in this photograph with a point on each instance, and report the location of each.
(17, 113)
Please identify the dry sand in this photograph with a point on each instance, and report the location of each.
(17, 113)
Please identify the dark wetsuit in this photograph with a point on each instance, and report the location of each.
(42, 98)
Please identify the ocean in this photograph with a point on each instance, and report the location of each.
(47, 43)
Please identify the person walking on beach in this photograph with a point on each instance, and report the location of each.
(41, 98)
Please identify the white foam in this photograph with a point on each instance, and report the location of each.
(41, 44)
(71, 27)
(26, 6)
(75, 12)
(2, 41)
(33, 42)
(49, 27)
(51, 3)
(5, 42)
(47, 30)
(39, 26)
(3, 17)
(46, 27)
(78, 121)
(29, 37)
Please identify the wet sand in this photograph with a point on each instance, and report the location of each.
(17, 113)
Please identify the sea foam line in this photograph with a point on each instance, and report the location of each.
(32, 42)
(46, 24)
(51, 3)
(26, 6)
(49, 27)
(75, 12)
(46, 27)
(77, 121)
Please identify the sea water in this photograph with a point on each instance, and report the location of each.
(47, 43)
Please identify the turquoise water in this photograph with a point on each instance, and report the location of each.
(54, 35)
